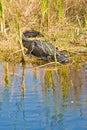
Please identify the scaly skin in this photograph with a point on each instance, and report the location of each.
(44, 50)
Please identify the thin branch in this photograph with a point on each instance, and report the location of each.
(16, 52)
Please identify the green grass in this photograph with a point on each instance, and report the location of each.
(60, 10)
(44, 12)
(2, 16)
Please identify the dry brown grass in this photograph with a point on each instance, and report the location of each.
(31, 14)
(61, 21)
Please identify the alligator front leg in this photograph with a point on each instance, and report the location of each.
(30, 49)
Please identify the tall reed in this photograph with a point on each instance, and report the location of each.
(19, 36)
(85, 20)
(44, 12)
(79, 22)
(58, 10)
(2, 16)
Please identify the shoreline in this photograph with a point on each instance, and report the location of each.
(12, 53)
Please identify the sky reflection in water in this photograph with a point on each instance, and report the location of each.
(43, 99)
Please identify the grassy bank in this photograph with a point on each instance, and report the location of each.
(63, 22)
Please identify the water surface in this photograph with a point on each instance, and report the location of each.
(43, 98)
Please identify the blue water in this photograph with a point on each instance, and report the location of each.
(43, 99)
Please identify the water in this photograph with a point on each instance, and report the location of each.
(43, 99)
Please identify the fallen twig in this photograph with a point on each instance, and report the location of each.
(16, 51)
(41, 66)
(77, 52)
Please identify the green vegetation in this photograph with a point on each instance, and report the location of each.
(2, 17)
(63, 22)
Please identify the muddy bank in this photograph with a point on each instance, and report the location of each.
(10, 51)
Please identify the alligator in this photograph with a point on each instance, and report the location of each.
(42, 49)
